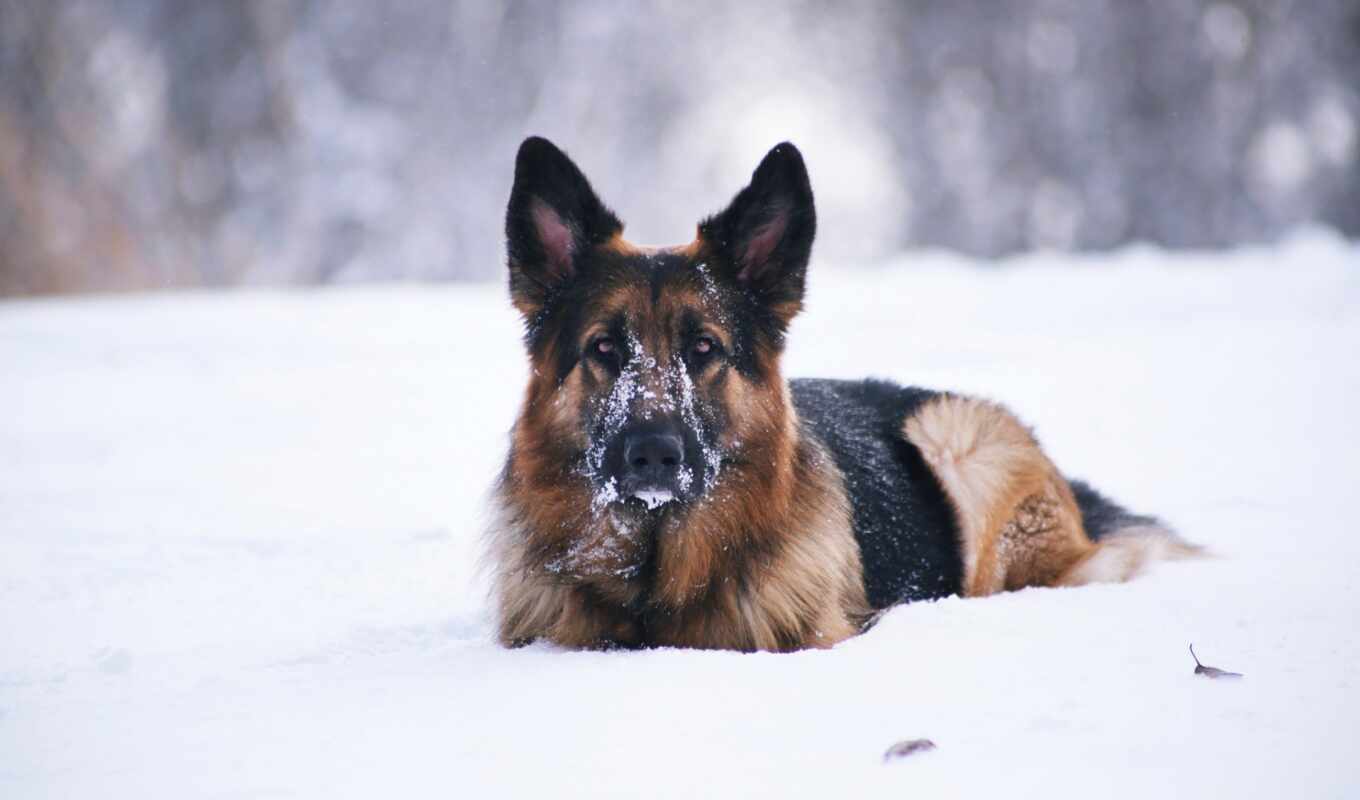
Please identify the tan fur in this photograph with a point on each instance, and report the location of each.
(1019, 523)
(769, 562)
(618, 245)
(1127, 554)
(782, 574)
(766, 561)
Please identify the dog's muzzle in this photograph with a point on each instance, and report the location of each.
(650, 464)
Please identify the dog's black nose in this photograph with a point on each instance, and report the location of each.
(652, 459)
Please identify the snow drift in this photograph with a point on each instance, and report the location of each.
(239, 533)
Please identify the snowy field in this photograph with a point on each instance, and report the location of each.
(239, 533)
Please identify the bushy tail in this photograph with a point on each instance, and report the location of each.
(1126, 544)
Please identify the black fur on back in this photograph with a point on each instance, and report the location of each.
(907, 531)
(1101, 516)
(907, 534)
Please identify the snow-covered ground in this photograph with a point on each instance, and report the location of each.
(239, 532)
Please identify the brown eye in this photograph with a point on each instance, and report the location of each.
(604, 346)
(703, 346)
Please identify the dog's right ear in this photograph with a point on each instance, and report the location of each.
(554, 218)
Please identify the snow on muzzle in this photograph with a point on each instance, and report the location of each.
(649, 445)
(654, 461)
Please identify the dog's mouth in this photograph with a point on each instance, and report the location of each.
(638, 500)
(652, 498)
(649, 498)
(650, 475)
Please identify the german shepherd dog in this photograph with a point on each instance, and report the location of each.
(666, 486)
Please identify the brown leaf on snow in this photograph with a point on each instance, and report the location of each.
(908, 747)
(1211, 672)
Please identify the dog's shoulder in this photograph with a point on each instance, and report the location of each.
(868, 404)
(903, 522)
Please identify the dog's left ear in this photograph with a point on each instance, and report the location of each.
(553, 220)
(765, 236)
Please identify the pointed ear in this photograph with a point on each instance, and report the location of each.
(553, 218)
(765, 236)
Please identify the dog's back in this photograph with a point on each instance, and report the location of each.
(906, 531)
(907, 512)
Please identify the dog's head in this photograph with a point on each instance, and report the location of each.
(655, 370)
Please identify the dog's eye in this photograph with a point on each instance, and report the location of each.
(703, 346)
(604, 346)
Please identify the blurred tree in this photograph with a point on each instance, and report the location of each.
(150, 143)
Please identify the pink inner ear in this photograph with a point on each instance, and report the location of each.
(761, 246)
(556, 237)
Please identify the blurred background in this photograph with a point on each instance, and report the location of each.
(161, 143)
